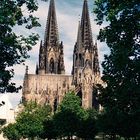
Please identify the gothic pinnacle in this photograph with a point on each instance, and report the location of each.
(42, 57)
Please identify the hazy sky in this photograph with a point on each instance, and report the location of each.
(68, 14)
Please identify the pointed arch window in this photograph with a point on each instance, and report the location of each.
(51, 66)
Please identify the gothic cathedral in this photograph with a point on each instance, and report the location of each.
(50, 83)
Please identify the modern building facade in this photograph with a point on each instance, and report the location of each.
(50, 83)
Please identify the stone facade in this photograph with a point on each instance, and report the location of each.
(50, 84)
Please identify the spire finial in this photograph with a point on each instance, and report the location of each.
(42, 57)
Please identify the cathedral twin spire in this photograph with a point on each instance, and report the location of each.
(85, 51)
(86, 27)
(51, 34)
(51, 57)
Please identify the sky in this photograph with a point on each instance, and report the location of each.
(68, 15)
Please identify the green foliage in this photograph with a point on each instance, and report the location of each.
(72, 120)
(106, 123)
(36, 121)
(14, 47)
(11, 132)
(67, 123)
(70, 102)
(49, 130)
(29, 123)
(88, 127)
(121, 96)
(69, 115)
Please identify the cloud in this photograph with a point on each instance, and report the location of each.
(68, 12)
(14, 98)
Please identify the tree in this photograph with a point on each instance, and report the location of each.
(88, 127)
(49, 129)
(68, 117)
(14, 47)
(121, 96)
(29, 123)
(108, 123)
(11, 132)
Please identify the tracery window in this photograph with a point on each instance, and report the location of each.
(51, 66)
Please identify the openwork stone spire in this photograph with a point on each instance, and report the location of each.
(86, 27)
(85, 51)
(51, 33)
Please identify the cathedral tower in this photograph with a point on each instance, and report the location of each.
(85, 60)
(51, 57)
(85, 51)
